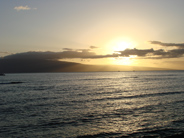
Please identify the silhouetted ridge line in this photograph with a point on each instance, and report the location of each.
(45, 65)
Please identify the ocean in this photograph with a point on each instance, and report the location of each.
(92, 104)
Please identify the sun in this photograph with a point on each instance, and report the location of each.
(120, 44)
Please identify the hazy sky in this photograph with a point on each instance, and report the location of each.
(94, 29)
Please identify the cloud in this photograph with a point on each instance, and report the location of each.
(86, 54)
(19, 8)
(150, 53)
(80, 50)
(67, 49)
(52, 55)
(138, 52)
(179, 45)
(176, 52)
(39, 61)
(2, 54)
(93, 47)
(69, 53)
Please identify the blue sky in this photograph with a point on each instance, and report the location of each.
(51, 25)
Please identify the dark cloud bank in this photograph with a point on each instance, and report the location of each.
(179, 45)
(49, 61)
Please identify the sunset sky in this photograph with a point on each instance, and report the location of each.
(147, 33)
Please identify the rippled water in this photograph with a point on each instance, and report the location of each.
(99, 104)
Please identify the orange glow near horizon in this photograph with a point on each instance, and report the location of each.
(124, 60)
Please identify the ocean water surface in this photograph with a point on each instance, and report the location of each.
(92, 104)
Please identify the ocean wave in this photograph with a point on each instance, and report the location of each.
(93, 105)
(163, 133)
(93, 79)
(128, 97)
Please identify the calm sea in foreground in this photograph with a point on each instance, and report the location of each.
(93, 104)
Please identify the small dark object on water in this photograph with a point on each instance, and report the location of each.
(2, 74)
(13, 82)
(16, 82)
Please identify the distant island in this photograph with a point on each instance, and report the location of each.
(30, 65)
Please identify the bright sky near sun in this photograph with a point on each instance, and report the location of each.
(107, 26)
